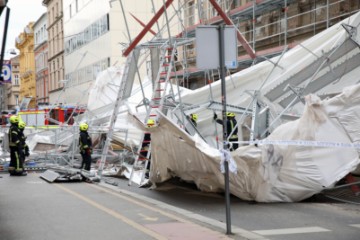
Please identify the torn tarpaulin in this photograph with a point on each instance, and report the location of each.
(226, 156)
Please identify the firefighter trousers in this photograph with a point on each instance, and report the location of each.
(86, 161)
(16, 162)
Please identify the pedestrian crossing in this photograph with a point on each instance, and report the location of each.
(283, 231)
(355, 225)
(299, 230)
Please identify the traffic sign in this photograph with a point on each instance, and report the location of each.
(6, 72)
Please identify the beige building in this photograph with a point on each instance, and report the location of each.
(25, 44)
(55, 48)
(13, 89)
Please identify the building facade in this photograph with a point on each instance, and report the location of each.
(41, 61)
(95, 34)
(270, 27)
(55, 29)
(13, 89)
(25, 44)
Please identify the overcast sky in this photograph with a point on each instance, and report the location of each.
(21, 13)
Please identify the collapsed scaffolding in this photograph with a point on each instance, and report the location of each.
(164, 89)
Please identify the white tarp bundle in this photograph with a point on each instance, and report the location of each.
(269, 172)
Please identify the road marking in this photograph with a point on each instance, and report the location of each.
(147, 218)
(291, 231)
(35, 182)
(113, 213)
(355, 225)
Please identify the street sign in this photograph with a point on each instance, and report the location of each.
(6, 72)
(207, 47)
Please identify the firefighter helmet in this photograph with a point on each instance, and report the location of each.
(22, 125)
(84, 126)
(230, 114)
(14, 119)
(194, 117)
(150, 122)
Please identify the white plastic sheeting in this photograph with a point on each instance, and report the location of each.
(268, 173)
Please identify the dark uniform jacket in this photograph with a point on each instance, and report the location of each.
(230, 125)
(85, 141)
(14, 138)
(23, 144)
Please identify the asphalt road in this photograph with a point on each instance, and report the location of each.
(317, 218)
(31, 208)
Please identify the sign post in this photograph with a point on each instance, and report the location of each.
(212, 54)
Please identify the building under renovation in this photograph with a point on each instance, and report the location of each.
(294, 92)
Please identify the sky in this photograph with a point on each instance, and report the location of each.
(21, 13)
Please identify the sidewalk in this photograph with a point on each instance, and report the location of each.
(32, 208)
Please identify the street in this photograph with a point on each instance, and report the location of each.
(318, 218)
(32, 208)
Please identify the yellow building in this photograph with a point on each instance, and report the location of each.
(25, 44)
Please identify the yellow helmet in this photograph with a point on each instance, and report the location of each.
(150, 122)
(194, 116)
(84, 126)
(22, 125)
(14, 119)
(230, 114)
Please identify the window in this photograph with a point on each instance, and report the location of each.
(70, 11)
(96, 70)
(190, 14)
(16, 100)
(95, 30)
(90, 33)
(16, 79)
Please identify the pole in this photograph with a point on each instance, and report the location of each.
(327, 14)
(254, 25)
(286, 22)
(223, 100)
(3, 46)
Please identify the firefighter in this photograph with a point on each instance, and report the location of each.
(146, 145)
(193, 118)
(25, 148)
(231, 127)
(16, 165)
(85, 145)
